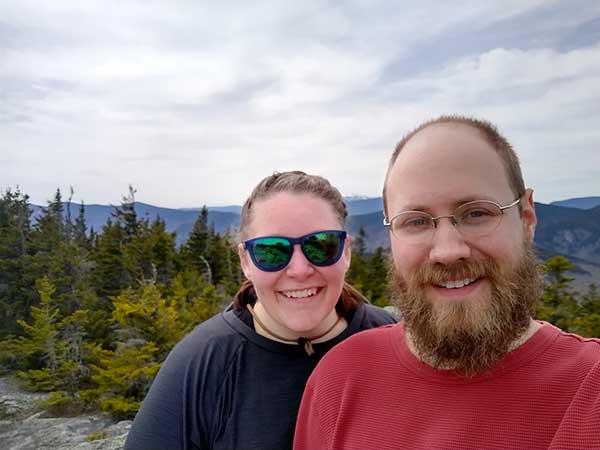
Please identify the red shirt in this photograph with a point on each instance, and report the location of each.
(371, 392)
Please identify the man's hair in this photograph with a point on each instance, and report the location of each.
(486, 130)
(296, 182)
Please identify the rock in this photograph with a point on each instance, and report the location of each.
(16, 404)
(24, 427)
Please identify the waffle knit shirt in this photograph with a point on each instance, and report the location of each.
(371, 392)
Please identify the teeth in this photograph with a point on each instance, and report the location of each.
(453, 284)
(300, 294)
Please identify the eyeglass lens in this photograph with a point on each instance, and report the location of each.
(472, 219)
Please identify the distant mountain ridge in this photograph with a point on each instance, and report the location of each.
(571, 231)
(579, 202)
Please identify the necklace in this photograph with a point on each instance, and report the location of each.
(306, 342)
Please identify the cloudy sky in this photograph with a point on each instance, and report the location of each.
(193, 102)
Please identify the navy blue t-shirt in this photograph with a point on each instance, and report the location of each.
(225, 387)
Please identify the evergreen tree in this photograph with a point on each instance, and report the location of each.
(194, 251)
(559, 304)
(358, 272)
(126, 215)
(39, 346)
(80, 229)
(17, 293)
(376, 284)
(109, 273)
(587, 322)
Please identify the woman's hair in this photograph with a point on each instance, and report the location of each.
(295, 182)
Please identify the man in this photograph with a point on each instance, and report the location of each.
(468, 367)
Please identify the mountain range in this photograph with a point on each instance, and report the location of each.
(569, 227)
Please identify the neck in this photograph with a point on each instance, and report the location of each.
(532, 328)
(330, 328)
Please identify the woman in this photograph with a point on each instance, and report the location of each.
(236, 381)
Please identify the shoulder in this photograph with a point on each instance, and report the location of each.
(365, 340)
(357, 352)
(374, 316)
(347, 367)
(575, 348)
(211, 341)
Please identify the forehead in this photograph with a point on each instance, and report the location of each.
(446, 164)
(292, 215)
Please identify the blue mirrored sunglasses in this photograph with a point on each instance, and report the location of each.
(273, 253)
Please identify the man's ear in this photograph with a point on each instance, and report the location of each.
(244, 261)
(528, 214)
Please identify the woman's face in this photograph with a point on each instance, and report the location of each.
(300, 299)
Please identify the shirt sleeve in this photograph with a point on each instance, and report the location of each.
(159, 424)
(309, 434)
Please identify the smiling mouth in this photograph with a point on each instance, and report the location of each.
(456, 284)
(301, 293)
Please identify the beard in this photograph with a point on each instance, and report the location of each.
(469, 336)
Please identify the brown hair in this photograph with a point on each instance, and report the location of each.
(491, 135)
(295, 182)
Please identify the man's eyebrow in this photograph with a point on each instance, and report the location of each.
(459, 202)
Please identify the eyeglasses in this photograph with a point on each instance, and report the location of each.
(472, 219)
(273, 253)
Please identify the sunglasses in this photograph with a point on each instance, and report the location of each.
(273, 253)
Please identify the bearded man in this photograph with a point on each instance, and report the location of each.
(468, 367)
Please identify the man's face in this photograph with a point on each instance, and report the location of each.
(450, 321)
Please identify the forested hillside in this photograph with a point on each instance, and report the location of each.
(90, 315)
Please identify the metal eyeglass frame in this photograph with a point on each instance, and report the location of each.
(388, 222)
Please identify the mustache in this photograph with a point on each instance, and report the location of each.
(439, 274)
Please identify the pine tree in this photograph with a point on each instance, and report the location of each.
(39, 346)
(17, 293)
(358, 272)
(376, 284)
(80, 229)
(194, 251)
(559, 303)
(126, 215)
(587, 322)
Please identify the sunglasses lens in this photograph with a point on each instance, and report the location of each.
(271, 253)
(323, 249)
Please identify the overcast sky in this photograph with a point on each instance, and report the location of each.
(193, 102)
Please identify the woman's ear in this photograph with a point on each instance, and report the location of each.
(244, 261)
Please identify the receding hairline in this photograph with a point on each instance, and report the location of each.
(487, 131)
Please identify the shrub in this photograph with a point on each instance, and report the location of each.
(61, 404)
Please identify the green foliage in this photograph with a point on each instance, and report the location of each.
(96, 436)
(120, 408)
(61, 404)
(144, 314)
(563, 306)
(194, 300)
(211, 254)
(123, 377)
(40, 343)
(368, 272)
(17, 293)
(50, 349)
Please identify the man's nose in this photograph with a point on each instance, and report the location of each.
(448, 245)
